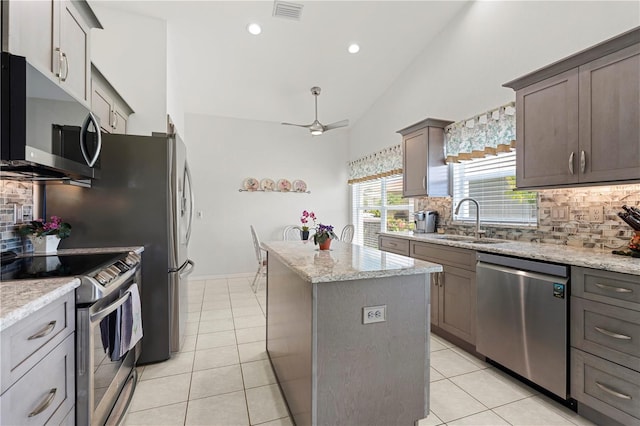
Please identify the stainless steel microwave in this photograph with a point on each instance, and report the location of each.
(45, 132)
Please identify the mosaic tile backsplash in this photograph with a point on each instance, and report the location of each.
(577, 230)
(14, 197)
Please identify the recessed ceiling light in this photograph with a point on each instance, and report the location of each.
(353, 48)
(254, 28)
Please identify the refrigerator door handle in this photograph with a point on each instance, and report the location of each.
(183, 271)
(187, 177)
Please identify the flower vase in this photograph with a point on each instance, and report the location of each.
(326, 245)
(634, 244)
(45, 243)
(304, 235)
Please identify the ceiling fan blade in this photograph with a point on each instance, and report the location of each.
(337, 124)
(297, 125)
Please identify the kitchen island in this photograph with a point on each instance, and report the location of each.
(333, 368)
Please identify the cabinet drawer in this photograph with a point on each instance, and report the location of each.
(46, 393)
(607, 331)
(613, 288)
(30, 339)
(607, 387)
(452, 256)
(394, 245)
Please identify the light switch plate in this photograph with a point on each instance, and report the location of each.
(559, 213)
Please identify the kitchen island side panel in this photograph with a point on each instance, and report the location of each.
(378, 373)
(289, 339)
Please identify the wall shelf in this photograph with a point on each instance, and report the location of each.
(275, 190)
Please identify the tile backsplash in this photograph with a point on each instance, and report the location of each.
(576, 230)
(14, 197)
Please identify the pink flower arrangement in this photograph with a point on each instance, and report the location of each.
(305, 218)
(39, 228)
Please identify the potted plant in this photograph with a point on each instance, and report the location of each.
(304, 219)
(45, 236)
(323, 236)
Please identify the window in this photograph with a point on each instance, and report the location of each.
(491, 182)
(377, 206)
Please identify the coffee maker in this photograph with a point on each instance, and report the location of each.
(425, 221)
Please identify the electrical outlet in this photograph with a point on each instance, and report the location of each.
(596, 214)
(371, 314)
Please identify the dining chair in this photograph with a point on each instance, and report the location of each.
(292, 233)
(347, 234)
(262, 262)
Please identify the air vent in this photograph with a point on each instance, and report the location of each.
(283, 9)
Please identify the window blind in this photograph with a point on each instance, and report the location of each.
(378, 206)
(491, 181)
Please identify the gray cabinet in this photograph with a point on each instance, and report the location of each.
(54, 37)
(109, 107)
(423, 167)
(394, 245)
(605, 330)
(38, 366)
(453, 297)
(578, 120)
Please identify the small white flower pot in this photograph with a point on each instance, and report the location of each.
(45, 244)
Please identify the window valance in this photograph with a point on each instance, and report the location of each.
(486, 134)
(383, 163)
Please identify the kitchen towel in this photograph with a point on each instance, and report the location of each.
(130, 321)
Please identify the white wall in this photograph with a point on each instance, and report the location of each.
(461, 72)
(131, 52)
(222, 152)
(176, 80)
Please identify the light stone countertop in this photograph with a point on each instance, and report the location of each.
(21, 298)
(589, 258)
(344, 262)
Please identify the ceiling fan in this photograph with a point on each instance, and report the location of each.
(316, 127)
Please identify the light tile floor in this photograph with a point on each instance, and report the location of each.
(223, 377)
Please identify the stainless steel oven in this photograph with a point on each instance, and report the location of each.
(104, 383)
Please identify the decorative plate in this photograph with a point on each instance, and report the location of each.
(299, 186)
(251, 184)
(284, 185)
(267, 184)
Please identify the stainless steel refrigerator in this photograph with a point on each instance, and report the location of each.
(143, 197)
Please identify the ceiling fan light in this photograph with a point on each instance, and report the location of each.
(353, 48)
(316, 132)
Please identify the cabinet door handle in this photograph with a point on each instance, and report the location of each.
(59, 73)
(424, 182)
(66, 66)
(393, 244)
(612, 334)
(583, 161)
(615, 289)
(612, 392)
(45, 403)
(46, 330)
(571, 163)
(115, 120)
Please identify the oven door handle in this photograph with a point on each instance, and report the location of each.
(98, 316)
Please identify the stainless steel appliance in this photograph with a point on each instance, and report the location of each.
(522, 311)
(104, 387)
(46, 133)
(143, 197)
(425, 221)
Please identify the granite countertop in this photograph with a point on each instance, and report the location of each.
(589, 258)
(344, 261)
(20, 298)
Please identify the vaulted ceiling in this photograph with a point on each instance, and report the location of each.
(226, 71)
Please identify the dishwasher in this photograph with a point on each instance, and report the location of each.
(522, 314)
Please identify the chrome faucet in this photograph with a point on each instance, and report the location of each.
(478, 232)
